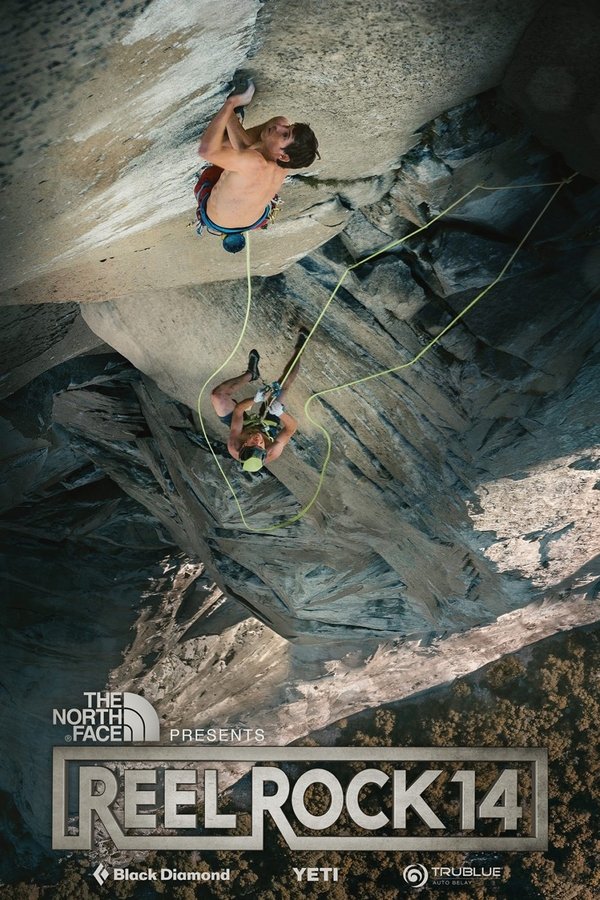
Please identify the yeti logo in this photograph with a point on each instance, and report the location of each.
(109, 717)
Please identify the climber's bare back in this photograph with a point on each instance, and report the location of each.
(249, 158)
(240, 196)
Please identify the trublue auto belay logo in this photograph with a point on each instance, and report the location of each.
(109, 717)
(150, 798)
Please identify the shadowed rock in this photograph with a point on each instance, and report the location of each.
(554, 79)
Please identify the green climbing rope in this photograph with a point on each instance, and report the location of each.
(558, 185)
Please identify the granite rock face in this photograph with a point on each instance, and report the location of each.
(413, 450)
(79, 560)
(104, 110)
(554, 79)
(40, 337)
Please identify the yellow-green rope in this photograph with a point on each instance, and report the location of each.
(299, 515)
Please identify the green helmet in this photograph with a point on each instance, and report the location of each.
(252, 458)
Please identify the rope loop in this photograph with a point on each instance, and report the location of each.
(558, 185)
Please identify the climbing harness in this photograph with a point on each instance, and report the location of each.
(233, 239)
(558, 185)
(268, 422)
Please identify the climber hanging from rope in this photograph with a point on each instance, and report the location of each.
(258, 439)
(238, 192)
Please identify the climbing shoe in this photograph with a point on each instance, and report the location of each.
(253, 360)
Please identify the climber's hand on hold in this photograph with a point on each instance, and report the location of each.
(243, 99)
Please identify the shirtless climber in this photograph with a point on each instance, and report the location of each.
(257, 439)
(236, 193)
